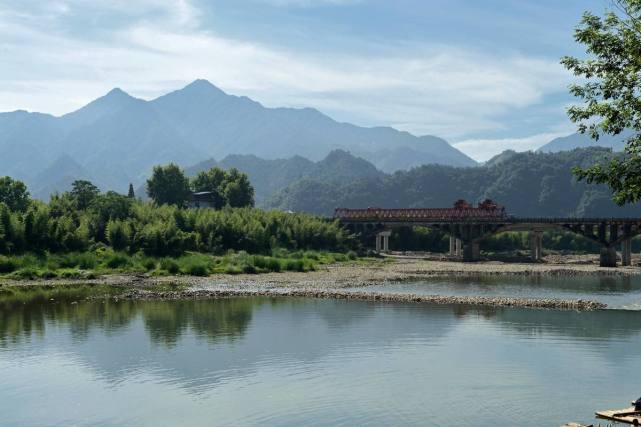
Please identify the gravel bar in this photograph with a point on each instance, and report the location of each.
(558, 304)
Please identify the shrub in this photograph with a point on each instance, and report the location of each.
(7, 265)
(351, 255)
(48, 274)
(169, 265)
(249, 269)
(196, 265)
(312, 255)
(87, 261)
(117, 261)
(149, 264)
(26, 273)
(294, 265)
(273, 265)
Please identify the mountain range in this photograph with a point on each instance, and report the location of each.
(528, 184)
(117, 138)
(581, 140)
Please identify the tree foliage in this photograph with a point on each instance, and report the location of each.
(83, 193)
(228, 188)
(528, 184)
(130, 225)
(14, 194)
(168, 185)
(611, 93)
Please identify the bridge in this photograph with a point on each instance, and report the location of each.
(467, 226)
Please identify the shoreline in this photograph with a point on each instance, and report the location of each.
(544, 303)
(342, 275)
(330, 282)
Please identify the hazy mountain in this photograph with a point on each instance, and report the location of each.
(580, 140)
(528, 184)
(270, 176)
(119, 138)
(58, 177)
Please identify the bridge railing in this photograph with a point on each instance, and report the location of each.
(418, 214)
(466, 215)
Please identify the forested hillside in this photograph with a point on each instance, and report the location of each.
(271, 176)
(528, 184)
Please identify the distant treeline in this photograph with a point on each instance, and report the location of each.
(426, 239)
(528, 184)
(84, 218)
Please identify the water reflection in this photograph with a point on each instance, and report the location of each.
(615, 291)
(343, 361)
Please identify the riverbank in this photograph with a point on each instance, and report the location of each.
(339, 280)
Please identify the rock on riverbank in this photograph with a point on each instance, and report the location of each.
(368, 296)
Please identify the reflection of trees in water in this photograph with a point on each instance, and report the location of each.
(568, 283)
(165, 321)
(594, 325)
(19, 322)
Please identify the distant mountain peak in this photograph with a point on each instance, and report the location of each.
(115, 95)
(203, 85)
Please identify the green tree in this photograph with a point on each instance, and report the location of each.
(83, 193)
(239, 192)
(168, 185)
(131, 194)
(118, 235)
(14, 194)
(213, 180)
(611, 91)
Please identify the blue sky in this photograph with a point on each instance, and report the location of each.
(484, 74)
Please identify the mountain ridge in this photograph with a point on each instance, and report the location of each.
(119, 137)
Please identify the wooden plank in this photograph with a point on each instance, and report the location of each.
(627, 415)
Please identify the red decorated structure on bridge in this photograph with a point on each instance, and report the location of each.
(462, 210)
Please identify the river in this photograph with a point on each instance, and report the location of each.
(297, 361)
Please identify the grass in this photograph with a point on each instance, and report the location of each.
(88, 265)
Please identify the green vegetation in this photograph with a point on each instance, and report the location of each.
(528, 184)
(611, 91)
(87, 265)
(14, 194)
(431, 240)
(83, 232)
(169, 186)
(17, 295)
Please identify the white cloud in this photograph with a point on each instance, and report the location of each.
(484, 149)
(441, 90)
(308, 3)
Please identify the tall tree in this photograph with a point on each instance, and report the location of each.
(131, 194)
(14, 194)
(168, 185)
(239, 192)
(611, 92)
(83, 193)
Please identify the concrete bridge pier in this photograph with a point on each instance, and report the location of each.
(382, 241)
(471, 251)
(608, 257)
(455, 246)
(536, 245)
(626, 252)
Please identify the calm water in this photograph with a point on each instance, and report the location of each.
(616, 292)
(293, 362)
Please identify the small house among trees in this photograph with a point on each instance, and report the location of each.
(203, 199)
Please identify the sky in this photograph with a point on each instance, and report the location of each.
(483, 74)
